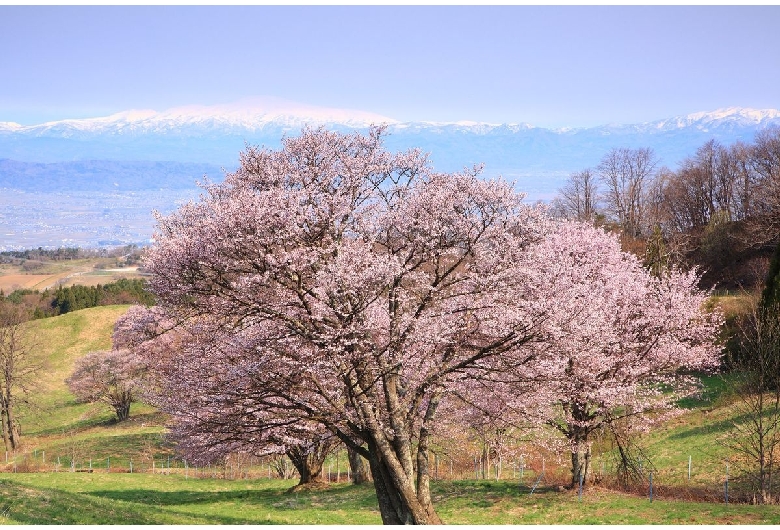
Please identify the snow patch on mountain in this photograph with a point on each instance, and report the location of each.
(718, 118)
(10, 126)
(258, 114)
(248, 115)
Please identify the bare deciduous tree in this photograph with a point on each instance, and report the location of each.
(578, 198)
(17, 368)
(765, 160)
(755, 433)
(627, 174)
(716, 181)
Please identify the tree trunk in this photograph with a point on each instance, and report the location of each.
(424, 476)
(580, 462)
(6, 441)
(122, 410)
(357, 466)
(398, 466)
(390, 505)
(308, 460)
(398, 505)
(309, 467)
(10, 431)
(399, 501)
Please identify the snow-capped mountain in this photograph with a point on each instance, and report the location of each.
(214, 135)
(255, 114)
(729, 117)
(246, 115)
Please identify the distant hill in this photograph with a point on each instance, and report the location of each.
(57, 424)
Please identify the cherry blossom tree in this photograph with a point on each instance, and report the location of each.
(628, 339)
(335, 284)
(114, 377)
(213, 423)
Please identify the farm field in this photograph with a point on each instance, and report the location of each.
(49, 275)
(137, 478)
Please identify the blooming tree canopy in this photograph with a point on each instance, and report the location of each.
(627, 339)
(334, 284)
(215, 406)
(114, 377)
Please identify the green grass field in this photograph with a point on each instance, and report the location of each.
(58, 432)
(123, 498)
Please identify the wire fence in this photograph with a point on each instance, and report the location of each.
(235, 468)
(531, 476)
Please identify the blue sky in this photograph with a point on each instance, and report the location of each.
(549, 66)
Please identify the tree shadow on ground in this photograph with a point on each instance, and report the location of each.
(250, 506)
(31, 505)
(716, 427)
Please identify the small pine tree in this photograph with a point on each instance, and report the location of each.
(656, 256)
(770, 297)
(765, 358)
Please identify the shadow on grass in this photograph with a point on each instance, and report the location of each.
(189, 497)
(76, 427)
(717, 427)
(119, 446)
(485, 493)
(34, 505)
(714, 388)
(251, 506)
(100, 419)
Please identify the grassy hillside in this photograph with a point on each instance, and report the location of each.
(58, 431)
(55, 425)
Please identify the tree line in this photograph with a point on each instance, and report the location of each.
(73, 298)
(719, 210)
(68, 253)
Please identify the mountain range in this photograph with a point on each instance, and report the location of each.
(144, 150)
(207, 138)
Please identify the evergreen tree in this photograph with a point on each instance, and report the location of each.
(770, 297)
(761, 338)
(656, 256)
